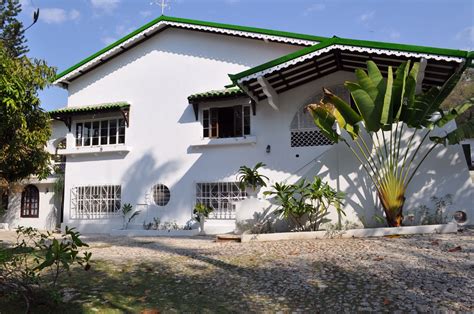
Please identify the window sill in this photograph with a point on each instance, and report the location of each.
(206, 142)
(95, 150)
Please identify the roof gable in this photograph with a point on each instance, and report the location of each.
(352, 44)
(164, 22)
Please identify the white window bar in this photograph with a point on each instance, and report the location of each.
(100, 132)
(95, 202)
(220, 196)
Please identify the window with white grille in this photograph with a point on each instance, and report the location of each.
(220, 196)
(303, 130)
(100, 132)
(95, 202)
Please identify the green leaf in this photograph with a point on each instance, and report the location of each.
(411, 85)
(463, 131)
(366, 106)
(366, 83)
(453, 113)
(386, 117)
(374, 73)
(398, 90)
(345, 110)
(325, 122)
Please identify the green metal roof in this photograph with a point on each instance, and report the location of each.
(222, 93)
(192, 22)
(89, 109)
(352, 42)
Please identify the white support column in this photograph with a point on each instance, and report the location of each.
(421, 75)
(269, 91)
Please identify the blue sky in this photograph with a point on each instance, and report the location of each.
(70, 30)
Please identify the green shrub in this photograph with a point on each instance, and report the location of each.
(250, 177)
(33, 265)
(305, 204)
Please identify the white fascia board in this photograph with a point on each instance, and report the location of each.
(316, 53)
(149, 31)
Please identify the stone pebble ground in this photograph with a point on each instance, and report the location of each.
(410, 273)
(403, 274)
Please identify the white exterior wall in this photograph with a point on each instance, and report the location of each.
(157, 76)
(48, 209)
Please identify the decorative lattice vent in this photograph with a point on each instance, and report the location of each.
(309, 138)
(303, 130)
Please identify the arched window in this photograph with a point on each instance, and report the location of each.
(303, 130)
(30, 201)
(3, 200)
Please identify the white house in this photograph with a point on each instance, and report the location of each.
(154, 120)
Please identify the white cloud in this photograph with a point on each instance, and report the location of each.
(58, 15)
(122, 30)
(314, 8)
(366, 17)
(146, 13)
(105, 5)
(394, 35)
(74, 14)
(467, 34)
(108, 40)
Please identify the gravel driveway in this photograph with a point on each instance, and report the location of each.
(413, 273)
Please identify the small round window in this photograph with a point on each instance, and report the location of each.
(161, 194)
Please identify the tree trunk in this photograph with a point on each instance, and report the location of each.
(394, 216)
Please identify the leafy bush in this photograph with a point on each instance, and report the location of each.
(305, 204)
(126, 210)
(156, 224)
(250, 177)
(425, 215)
(34, 264)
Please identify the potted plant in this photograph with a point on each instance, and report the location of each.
(201, 212)
(251, 180)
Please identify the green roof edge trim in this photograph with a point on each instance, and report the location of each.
(227, 92)
(194, 22)
(105, 106)
(353, 42)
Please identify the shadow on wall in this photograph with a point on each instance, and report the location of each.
(443, 172)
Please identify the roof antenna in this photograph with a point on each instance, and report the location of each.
(162, 3)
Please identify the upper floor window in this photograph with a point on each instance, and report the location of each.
(225, 122)
(30, 202)
(102, 132)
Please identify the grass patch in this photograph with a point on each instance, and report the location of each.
(117, 288)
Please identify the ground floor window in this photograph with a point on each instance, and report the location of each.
(3, 200)
(30, 202)
(95, 202)
(220, 196)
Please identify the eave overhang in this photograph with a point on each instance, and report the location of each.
(66, 114)
(338, 54)
(229, 93)
(154, 27)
